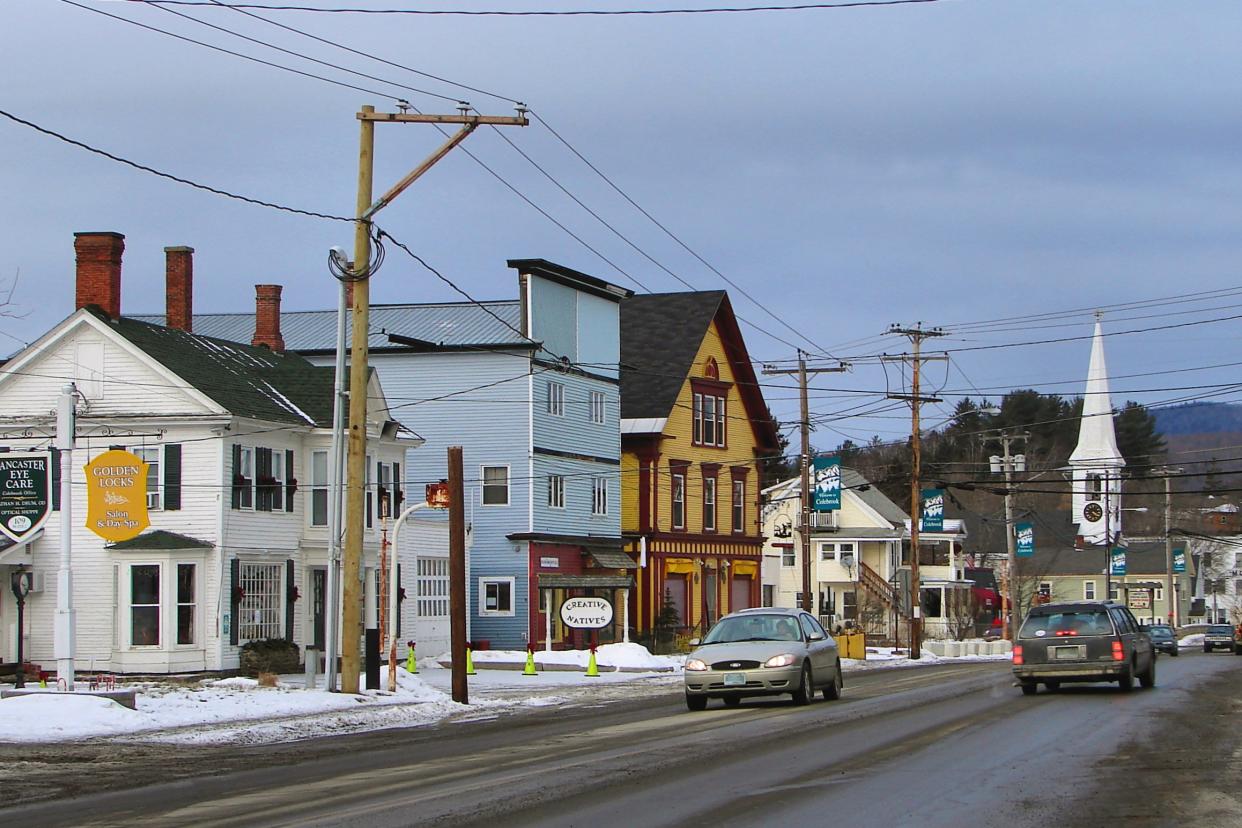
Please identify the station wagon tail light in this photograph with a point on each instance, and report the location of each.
(695, 665)
(1017, 654)
(1066, 632)
(782, 660)
(1119, 652)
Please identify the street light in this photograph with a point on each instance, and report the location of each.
(20, 584)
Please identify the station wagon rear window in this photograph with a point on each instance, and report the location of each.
(1066, 624)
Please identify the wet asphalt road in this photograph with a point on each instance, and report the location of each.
(940, 746)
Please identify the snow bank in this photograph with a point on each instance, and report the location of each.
(607, 657)
(60, 717)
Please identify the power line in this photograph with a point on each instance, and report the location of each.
(170, 176)
(850, 4)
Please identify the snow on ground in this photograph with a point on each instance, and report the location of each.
(239, 710)
(1194, 640)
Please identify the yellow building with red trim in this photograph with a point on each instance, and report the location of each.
(694, 430)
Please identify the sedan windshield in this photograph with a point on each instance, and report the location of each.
(754, 628)
(1161, 632)
(1062, 623)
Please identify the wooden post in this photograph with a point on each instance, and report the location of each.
(457, 574)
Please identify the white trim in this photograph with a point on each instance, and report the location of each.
(643, 425)
(482, 596)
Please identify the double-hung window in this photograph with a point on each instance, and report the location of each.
(319, 488)
(243, 477)
(186, 602)
(495, 485)
(556, 399)
(679, 500)
(556, 491)
(597, 407)
(599, 495)
(1088, 590)
(151, 456)
(496, 596)
(709, 504)
(787, 556)
(144, 605)
(739, 505)
(709, 420)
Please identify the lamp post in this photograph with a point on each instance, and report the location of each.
(20, 584)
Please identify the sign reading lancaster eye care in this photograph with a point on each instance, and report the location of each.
(586, 613)
(827, 484)
(25, 493)
(116, 495)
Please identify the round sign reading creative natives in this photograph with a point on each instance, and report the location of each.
(586, 613)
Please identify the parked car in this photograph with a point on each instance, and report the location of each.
(763, 652)
(1221, 637)
(1082, 641)
(1163, 639)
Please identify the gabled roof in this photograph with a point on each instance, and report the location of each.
(160, 539)
(1142, 558)
(245, 380)
(448, 324)
(660, 336)
(853, 483)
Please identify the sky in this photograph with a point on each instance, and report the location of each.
(952, 163)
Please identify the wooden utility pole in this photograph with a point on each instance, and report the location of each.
(916, 334)
(457, 575)
(804, 533)
(352, 570)
(1175, 609)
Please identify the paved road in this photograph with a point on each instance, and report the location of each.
(940, 746)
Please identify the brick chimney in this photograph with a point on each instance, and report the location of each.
(99, 271)
(267, 318)
(179, 288)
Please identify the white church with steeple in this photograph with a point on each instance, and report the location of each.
(1096, 462)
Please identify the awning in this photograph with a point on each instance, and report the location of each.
(611, 558)
(552, 580)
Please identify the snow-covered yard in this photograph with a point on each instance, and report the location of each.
(239, 710)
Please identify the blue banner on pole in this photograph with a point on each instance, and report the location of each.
(1118, 559)
(1025, 533)
(933, 511)
(827, 482)
(1179, 560)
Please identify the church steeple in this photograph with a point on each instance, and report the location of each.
(1096, 462)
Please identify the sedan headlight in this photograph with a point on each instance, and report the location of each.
(695, 664)
(783, 660)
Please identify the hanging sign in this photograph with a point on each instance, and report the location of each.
(116, 495)
(1025, 533)
(586, 613)
(1179, 560)
(1118, 561)
(25, 493)
(1140, 598)
(827, 483)
(933, 511)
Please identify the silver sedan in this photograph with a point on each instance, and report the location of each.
(763, 652)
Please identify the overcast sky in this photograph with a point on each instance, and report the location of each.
(949, 162)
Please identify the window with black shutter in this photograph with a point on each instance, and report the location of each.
(291, 483)
(263, 479)
(172, 477)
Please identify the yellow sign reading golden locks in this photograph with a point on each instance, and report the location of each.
(116, 495)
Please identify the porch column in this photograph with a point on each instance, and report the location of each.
(547, 620)
(625, 616)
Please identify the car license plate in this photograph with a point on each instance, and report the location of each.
(1067, 652)
(735, 680)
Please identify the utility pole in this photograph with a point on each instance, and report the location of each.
(457, 575)
(1175, 609)
(916, 334)
(355, 495)
(804, 533)
(63, 633)
(1009, 597)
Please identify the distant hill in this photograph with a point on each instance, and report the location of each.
(1198, 418)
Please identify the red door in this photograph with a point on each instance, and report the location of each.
(739, 592)
(675, 589)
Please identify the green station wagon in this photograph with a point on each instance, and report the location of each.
(1082, 641)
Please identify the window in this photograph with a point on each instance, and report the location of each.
(1094, 486)
(1045, 590)
(186, 588)
(709, 504)
(1113, 591)
(597, 407)
(827, 551)
(709, 420)
(739, 505)
(319, 488)
(433, 588)
(679, 501)
(495, 596)
(151, 456)
(556, 491)
(1159, 596)
(787, 556)
(599, 495)
(385, 490)
(269, 469)
(495, 485)
(144, 605)
(1088, 590)
(243, 477)
(556, 399)
(260, 613)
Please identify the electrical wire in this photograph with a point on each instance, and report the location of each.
(849, 4)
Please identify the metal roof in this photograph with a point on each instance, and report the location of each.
(449, 324)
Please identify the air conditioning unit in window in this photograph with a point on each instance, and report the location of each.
(37, 580)
(153, 500)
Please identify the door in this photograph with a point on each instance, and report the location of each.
(319, 601)
(739, 592)
(675, 590)
(710, 596)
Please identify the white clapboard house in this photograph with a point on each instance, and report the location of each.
(237, 437)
